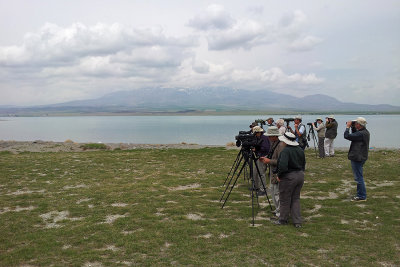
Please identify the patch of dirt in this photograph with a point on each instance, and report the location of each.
(194, 217)
(206, 236)
(184, 187)
(74, 186)
(119, 205)
(26, 191)
(111, 218)
(16, 209)
(52, 218)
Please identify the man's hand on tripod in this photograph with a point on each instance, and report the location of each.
(265, 160)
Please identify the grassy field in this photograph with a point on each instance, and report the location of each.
(161, 207)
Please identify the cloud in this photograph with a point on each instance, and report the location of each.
(230, 76)
(214, 17)
(292, 32)
(81, 61)
(304, 43)
(244, 34)
(54, 45)
(223, 32)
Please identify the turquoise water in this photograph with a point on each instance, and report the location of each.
(206, 130)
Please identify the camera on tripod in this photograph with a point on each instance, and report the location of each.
(247, 139)
(312, 123)
(260, 121)
(287, 120)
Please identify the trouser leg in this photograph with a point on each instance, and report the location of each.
(285, 194)
(326, 146)
(298, 182)
(257, 178)
(275, 198)
(357, 167)
(321, 148)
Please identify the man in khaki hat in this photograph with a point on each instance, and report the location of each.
(319, 126)
(272, 160)
(358, 154)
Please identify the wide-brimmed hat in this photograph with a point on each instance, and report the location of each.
(289, 139)
(273, 131)
(298, 117)
(319, 119)
(258, 129)
(270, 118)
(362, 121)
(330, 117)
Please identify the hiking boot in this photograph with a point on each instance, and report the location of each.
(260, 193)
(278, 222)
(358, 199)
(297, 225)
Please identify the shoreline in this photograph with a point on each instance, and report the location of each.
(71, 146)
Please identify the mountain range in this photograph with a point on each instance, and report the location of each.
(178, 100)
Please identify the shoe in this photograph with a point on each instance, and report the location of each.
(297, 225)
(274, 218)
(260, 193)
(278, 222)
(358, 199)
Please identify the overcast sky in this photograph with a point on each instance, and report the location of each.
(55, 51)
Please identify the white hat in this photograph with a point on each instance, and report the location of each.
(289, 139)
(257, 129)
(331, 117)
(273, 131)
(319, 119)
(298, 117)
(362, 121)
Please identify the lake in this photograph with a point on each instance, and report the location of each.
(204, 130)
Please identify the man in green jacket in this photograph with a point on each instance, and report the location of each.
(291, 166)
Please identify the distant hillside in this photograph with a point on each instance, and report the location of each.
(178, 100)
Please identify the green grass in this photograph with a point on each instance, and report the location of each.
(161, 207)
(93, 146)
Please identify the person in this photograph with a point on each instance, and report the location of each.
(330, 135)
(319, 127)
(261, 150)
(281, 126)
(291, 166)
(300, 132)
(272, 160)
(358, 154)
(270, 122)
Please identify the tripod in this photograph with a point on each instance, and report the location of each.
(244, 160)
(311, 132)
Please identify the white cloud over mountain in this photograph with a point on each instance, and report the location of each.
(227, 44)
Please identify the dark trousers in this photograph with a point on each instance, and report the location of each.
(321, 148)
(289, 195)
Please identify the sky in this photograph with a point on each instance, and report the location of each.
(53, 51)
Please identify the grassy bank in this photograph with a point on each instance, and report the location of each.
(161, 207)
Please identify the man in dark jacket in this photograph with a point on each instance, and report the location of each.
(358, 154)
(330, 135)
(291, 165)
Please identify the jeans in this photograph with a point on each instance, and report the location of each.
(357, 167)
